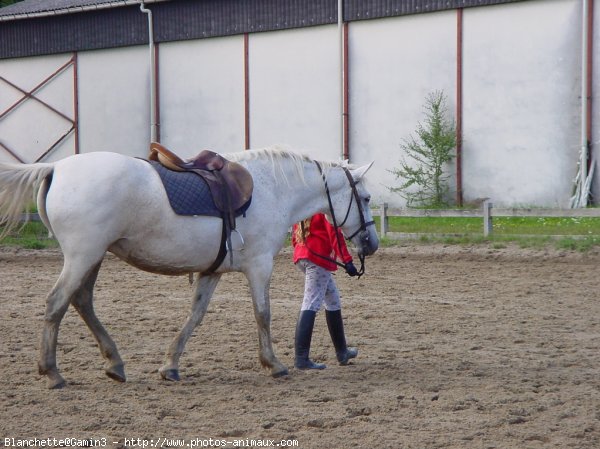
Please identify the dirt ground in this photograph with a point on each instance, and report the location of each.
(460, 347)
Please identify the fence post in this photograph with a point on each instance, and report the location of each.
(487, 218)
(384, 219)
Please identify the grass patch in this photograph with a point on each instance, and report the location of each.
(573, 234)
(588, 226)
(582, 244)
(578, 234)
(33, 235)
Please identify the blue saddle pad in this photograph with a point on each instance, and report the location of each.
(189, 193)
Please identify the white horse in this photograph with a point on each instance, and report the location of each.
(98, 202)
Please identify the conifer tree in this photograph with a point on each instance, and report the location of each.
(421, 172)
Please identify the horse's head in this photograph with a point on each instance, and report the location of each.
(350, 210)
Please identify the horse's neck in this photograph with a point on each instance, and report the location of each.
(302, 198)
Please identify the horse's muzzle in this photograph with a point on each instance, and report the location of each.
(368, 242)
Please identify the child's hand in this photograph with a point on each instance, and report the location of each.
(351, 269)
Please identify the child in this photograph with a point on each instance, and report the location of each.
(316, 247)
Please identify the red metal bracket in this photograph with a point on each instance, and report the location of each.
(31, 95)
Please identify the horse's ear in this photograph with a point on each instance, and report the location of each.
(359, 172)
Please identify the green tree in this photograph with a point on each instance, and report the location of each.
(423, 181)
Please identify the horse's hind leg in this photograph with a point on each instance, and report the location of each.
(259, 277)
(83, 303)
(70, 281)
(56, 306)
(205, 287)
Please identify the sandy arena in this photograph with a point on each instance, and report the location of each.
(460, 347)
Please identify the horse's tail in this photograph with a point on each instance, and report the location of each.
(19, 184)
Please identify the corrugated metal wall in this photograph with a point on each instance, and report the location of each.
(116, 27)
(372, 9)
(194, 19)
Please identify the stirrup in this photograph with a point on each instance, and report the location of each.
(241, 248)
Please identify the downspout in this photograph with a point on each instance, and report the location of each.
(246, 92)
(585, 167)
(76, 101)
(459, 105)
(583, 162)
(340, 24)
(154, 137)
(590, 80)
(346, 97)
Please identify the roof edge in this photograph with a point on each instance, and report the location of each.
(76, 9)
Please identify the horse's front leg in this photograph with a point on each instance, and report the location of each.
(205, 287)
(259, 277)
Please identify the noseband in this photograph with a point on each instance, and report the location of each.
(362, 230)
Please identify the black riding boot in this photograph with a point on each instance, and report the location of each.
(304, 330)
(336, 330)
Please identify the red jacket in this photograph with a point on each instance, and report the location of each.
(322, 240)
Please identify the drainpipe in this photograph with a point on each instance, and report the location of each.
(585, 168)
(341, 75)
(246, 92)
(154, 137)
(589, 37)
(346, 96)
(76, 101)
(459, 105)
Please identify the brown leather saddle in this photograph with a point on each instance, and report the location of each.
(230, 184)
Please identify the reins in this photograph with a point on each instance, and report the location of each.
(321, 256)
(336, 226)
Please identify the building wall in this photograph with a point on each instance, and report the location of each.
(595, 108)
(202, 95)
(294, 90)
(521, 86)
(394, 64)
(113, 100)
(522, 78)
(31, 128)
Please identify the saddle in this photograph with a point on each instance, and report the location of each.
(230, 184)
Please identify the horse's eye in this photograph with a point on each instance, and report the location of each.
(367, 199)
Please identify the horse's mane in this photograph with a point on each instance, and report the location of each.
(278, 157)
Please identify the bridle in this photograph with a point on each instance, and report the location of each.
(361, 231)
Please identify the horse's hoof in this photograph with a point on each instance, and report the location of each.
(280, 373)
(117, 373)
(170, 374)
(56, 384)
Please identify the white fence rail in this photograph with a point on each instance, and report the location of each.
(486, 212)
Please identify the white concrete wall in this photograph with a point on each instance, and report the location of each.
(595, 106)
(521, 116)
(522, 81)
(202, 95)
(394, 64)
(114, 100)
(294, 91)
(31, 129)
